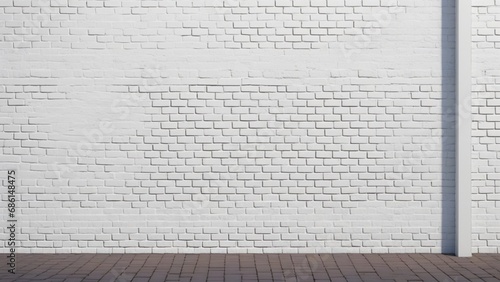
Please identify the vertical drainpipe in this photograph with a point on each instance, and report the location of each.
(463, 204)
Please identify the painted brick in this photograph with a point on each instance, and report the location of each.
(251, 126)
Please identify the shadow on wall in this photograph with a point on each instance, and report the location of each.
(448, 124)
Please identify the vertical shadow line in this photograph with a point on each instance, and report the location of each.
(448, 170)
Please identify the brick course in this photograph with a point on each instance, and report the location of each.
(252, 126)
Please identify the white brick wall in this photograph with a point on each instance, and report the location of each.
(239, 126)
(486, 137)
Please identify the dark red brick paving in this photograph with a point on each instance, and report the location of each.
(249, 267)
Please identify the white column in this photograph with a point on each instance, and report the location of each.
(463, 128)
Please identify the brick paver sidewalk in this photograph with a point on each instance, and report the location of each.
(248, 267)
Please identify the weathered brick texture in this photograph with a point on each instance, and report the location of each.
(242, 126)
(486, 125)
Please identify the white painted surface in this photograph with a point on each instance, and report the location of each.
(463, 129)
(485, 131)
(257, 126)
